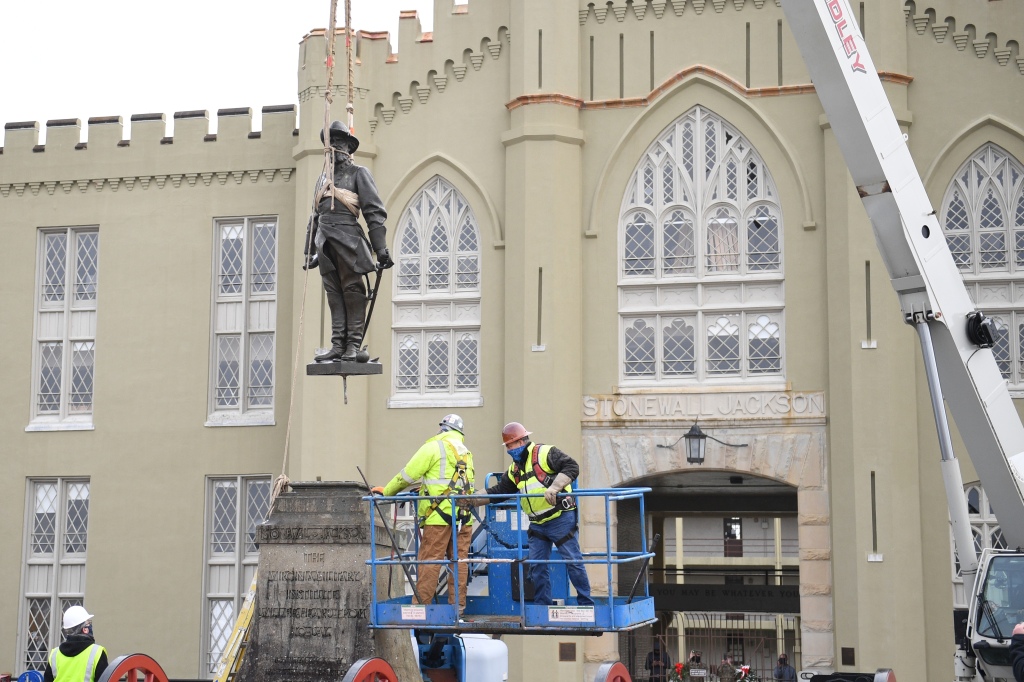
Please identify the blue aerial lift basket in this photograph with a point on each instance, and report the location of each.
(505, 606)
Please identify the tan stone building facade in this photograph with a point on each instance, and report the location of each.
(609, 221)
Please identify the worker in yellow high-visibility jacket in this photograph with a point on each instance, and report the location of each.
(443, 465)
(79, 658)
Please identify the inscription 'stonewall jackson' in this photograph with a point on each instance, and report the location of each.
(706, 406)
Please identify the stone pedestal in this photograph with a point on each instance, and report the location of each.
(313, 594)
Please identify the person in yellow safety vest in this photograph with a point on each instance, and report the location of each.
(444, 466)
(79, 658)
(538, 468)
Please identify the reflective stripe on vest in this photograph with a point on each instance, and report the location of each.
(75, 668)
(537, 508)
(444, 485)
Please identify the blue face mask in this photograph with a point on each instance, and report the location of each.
(517, 453)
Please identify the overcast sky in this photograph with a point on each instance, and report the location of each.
(76, 58)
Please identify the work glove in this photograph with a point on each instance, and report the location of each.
(311, 262)
(384, 259)
(377, 490)
(475, 501)
(551, 494)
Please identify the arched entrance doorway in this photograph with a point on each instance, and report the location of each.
(781, 473)
(725, 578)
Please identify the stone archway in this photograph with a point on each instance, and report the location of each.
(786, 434)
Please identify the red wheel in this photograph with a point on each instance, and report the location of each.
(613, 672)
(370, 670)
(133, 668)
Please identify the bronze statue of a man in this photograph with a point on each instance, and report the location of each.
(337, 244)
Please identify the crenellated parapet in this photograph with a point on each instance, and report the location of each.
(148, 157)
(988, 31)
(388, 84)
(639, 10)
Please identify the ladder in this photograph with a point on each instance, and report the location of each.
(234, 652)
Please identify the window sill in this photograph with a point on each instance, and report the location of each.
(241, 419)
(435, 401)
(60, 426)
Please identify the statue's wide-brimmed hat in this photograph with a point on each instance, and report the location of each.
(341, 133)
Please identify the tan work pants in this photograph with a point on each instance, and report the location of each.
(435, 544)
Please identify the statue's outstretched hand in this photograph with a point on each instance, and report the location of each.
(384, 260)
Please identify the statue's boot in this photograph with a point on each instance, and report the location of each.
(355, 317)
(331, 355)
(336, 302)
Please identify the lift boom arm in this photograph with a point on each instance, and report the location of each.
(920, 265)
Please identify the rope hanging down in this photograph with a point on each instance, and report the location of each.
(282, 481)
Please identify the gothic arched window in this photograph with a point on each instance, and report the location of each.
(436, 320)
(700, 277)
(983, 218)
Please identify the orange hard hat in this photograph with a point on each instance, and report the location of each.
(512, 432)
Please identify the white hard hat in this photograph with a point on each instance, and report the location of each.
(75, 616)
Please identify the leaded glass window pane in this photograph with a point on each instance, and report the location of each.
(261, 370)
(468, 272)
(437, 362)
(973, 501)
(228, 350)
(264, 258)
(256, 509)
(639, 259)
(407, 376)
(763, 240)
(648, 184)
(723, 337)
(55, 267)
(231, 252)
(86, 266)
(44, 525)
(76, 528)
(222, 620)
(723, 242)
(680, 351)
(51, 359)
(710, 148)
(668, 183)
(1001, 349)
(37, 646)
(764, 347)
(679, 245)
(752, 184)
(687, 148)
(731, 180)
(225, 517)
(83, 358)
(467, 355)
(639, 347)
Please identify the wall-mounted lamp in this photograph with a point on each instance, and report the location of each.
(696, 443)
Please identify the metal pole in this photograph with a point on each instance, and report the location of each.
(394, 543)
(963, 539)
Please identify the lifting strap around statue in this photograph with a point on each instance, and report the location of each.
(459, 482)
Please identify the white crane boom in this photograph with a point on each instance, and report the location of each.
(920, 265)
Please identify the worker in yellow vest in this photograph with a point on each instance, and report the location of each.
(79, 658)
(443, 466)
(538, 468)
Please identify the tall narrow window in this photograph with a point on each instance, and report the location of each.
(436, 313)
(234, 507)
(700, 280)
(57, 535)
(64, 358)
(983, 219)
(242, 364)
(986, 531)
